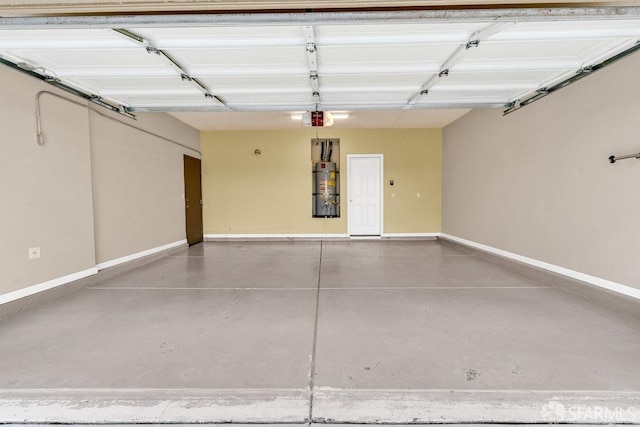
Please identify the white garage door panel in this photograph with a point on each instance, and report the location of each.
(388, 68)
(249, 81)
(135, 84)
(366, 97)
(275, 98)
(248, 57)
(118, 71)
(393, 54)
(475, 96)
(167, 38)
(393, 33)
(369, 79)
(185, 90)
(256, 72)
(505, 77)
(82, 58)
(553, 66)
(60, 40)
(159, 99)
(514, 51)
(568, 30)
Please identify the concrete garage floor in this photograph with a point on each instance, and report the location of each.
(332, 332)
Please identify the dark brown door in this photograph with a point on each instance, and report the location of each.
(193, 199)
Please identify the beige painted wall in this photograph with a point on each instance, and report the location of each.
(271, 193)
(538, 182)
(138, 184)
(45, 190)
(80, 193)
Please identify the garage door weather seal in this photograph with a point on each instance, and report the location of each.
(416, 16)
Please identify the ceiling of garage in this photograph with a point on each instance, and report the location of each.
(388, 70)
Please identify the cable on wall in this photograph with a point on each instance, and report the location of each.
(40, 133)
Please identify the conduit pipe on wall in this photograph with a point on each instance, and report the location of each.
(42, 74)
(326, 150)
(40, 133)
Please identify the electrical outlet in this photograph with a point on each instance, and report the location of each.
(393, 195)
(34, 253)
(418, 195)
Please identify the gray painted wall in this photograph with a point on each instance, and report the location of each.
(61, 196)
(538, 182)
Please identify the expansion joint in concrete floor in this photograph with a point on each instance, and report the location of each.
(312, 369)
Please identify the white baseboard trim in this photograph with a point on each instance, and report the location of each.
(596, 281)
(208, 237)
(411, 235)
(40, 287)
(137, 255)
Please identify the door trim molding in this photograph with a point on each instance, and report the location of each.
(381, 157)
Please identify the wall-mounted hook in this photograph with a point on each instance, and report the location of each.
(613, 159)
(257, 152)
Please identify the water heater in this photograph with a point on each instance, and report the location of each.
(326, 190)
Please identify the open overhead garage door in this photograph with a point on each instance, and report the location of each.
(331, 61)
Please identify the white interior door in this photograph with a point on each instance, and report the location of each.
(364, 189)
